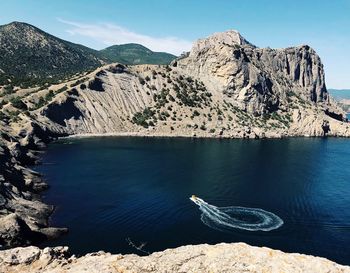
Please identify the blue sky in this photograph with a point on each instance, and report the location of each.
(172, 25)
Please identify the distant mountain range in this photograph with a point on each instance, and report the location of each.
(340, 94)
(135, 54)
(30, 56)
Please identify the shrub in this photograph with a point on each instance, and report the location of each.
(14, 116)
(141, 81)
(8, 90)
(96, 84)
(196, 113)
(18, 103)
(140, 118)
(3, 116)
(49, 95)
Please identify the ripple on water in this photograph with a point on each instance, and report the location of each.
(231, 218)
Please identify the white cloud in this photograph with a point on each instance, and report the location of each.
(110, 34)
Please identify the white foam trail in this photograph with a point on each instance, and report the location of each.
(228, 218)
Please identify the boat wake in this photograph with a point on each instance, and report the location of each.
(230, 218)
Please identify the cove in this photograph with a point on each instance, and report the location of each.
(112, 190)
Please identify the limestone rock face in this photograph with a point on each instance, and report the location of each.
(260, 80)
(231, 37)
(237, 257)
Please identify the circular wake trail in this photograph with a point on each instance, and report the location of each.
(229, 218)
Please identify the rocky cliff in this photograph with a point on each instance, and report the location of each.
(236, 257)
(224, 87)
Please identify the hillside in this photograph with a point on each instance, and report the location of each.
(135, 54)
(30, 55)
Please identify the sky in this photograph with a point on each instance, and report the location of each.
(173, 25)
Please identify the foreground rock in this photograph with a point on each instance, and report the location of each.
(237, 257)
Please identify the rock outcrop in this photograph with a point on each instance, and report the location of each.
(261, 80)
(237, 257)
(23, 217)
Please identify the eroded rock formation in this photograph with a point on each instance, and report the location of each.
(238, 257)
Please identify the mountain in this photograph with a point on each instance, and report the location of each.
(342, 96)
(224, 87)
(135, 54)
(339, 94)
(29, 55)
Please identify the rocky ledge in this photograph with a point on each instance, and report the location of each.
(236, 257)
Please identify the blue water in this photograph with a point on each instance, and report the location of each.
(110, 189)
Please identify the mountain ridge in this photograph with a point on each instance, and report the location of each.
(30, 53)
(133, 53)
(31, 56)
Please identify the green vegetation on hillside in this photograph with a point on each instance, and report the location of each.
(184, 91)
(31, 57)
(135, 54)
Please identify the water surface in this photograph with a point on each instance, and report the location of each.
(110, 189)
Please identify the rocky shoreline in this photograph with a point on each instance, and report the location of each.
(235, 257)
(24, 219)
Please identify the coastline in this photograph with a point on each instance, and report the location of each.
(26, 217)
(223, 257)
(165, 135)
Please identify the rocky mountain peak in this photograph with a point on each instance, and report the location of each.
(256, 79)
(16, 25)
(230, 37)
(17, 34)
